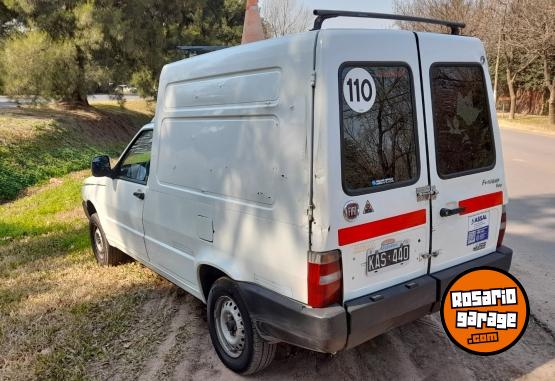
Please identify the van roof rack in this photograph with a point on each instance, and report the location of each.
(324, 14)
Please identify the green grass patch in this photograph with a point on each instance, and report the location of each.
(39, 143)
(33, 215)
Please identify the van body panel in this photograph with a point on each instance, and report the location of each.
(220, 149)
(482, 193)
(226, 90)
(335, 48)
(231, 153)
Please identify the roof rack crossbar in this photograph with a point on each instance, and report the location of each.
(324, 14)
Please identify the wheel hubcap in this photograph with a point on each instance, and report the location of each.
(229, 326)
(98, 242)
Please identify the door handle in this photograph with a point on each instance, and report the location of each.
(445, 212)
(140, 195)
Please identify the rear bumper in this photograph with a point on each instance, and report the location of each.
(332, 329)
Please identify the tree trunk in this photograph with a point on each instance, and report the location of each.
(550, 84)
(79, 96)
(552, 105)
(512, 95)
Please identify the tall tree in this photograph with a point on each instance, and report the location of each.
(517, 58)
(475, 13)
(122, 40)
(534, 34)
(282, 17)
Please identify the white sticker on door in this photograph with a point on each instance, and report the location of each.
(359, 90)
(478, 228)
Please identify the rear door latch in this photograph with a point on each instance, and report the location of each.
(433, 254)
(429, 192)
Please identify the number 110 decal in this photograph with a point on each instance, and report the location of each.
(359, 90)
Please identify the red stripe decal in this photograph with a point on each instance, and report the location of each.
(474, 204)
(381, 227)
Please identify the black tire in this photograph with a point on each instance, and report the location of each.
(256, 353)
(105, 254)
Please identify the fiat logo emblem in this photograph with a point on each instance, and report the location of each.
(350, 211)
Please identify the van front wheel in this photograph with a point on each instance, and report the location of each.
(105, 254)
(236, 341)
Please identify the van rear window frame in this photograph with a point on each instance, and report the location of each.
(489, 118)
(384, 187)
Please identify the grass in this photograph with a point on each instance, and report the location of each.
(526, 122)
(61, 315)
(37, 143)
(145, 107)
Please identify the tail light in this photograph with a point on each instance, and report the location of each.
(325, 278)
(502, 226)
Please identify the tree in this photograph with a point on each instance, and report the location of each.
(476, 14)
(119, 41)
(142, 36)
(549, 83)
(36, 65)
(283, 17)
(517, 58)
(534, 34)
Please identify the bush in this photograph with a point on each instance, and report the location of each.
(34, 65)
(145, 82)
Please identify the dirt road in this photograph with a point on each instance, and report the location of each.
(416, 351)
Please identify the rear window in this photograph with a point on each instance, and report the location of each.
(379, 141)
(462, 122)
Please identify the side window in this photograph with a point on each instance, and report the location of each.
(378, 128)
(462, 122)
(135, 165)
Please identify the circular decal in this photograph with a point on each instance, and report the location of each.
(359, 90)
(350, 211)
(485, 311)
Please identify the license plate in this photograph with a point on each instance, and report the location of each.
(393, 256)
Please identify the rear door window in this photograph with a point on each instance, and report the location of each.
(379, 140)
(462, 122)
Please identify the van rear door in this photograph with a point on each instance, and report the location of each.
(370, 158)
(466, 164)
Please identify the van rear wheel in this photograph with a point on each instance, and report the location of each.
(105, 254)
(234, 337)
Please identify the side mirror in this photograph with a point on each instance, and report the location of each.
(100, 166)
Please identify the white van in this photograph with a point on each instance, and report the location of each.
(317, 189)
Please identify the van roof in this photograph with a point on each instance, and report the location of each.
(276, 42)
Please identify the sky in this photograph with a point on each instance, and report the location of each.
(379, 6)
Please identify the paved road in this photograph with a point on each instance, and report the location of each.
(530, 170)
(6, 102)
(107, 97)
